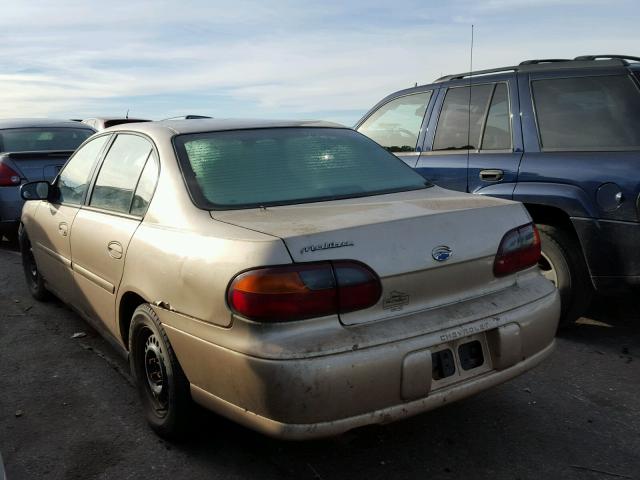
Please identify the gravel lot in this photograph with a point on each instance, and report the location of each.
(68, 411)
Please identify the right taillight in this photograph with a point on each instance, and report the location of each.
(306, 290)
(519, 249)
(8, 176)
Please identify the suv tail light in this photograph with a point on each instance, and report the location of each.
(306, 290)
(8, 176)
(519, 249)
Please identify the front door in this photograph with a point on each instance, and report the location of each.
(104, 227)
(50, 234)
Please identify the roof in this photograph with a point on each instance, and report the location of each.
(219, 124)
(40, 122)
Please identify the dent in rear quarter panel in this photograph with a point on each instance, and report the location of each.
(188, 270)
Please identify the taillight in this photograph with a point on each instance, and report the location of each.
(8, 176)
(306, 290)
(519, 249)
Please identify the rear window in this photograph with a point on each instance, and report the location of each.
(281, 166)
(588, 113)
(42, 139)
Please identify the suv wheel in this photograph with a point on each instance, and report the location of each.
(161, 383)
(563, 264)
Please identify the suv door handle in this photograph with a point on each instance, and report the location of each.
(491, 175)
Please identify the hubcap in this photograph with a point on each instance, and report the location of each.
(548, 270)
(155, 372)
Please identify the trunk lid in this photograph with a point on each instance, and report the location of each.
(34, 166)
(399, 236)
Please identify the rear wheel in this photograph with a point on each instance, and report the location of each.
(31, 273)
(161, 383)
(563, 264)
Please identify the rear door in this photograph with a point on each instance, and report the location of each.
(475, 141)
(397, 125)
(50, 233)
(103, 228)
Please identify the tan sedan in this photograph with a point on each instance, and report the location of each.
(292, 276)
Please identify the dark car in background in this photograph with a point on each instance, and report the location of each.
(100, 123)
(562, 136)
(30, 150)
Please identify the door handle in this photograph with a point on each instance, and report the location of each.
(63, 229)
(115, 250)
(491, 175)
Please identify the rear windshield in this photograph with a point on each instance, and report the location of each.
(42, 139)
(280, 166)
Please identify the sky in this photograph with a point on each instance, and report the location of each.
(329, 60)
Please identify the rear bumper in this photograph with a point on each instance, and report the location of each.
(292, 431)
(323, 395)
(612, 252)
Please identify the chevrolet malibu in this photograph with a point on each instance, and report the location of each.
(292, 276)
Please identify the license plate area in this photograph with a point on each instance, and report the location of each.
(459, 360)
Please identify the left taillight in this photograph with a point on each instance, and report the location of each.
(8, 176)
(299, 291)
(519, 249)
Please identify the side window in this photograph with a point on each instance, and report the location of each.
(74, 179)
(120, 172)
(588, 112)
(145, 187)
(396, 125)
(497, 129)
(452, 132)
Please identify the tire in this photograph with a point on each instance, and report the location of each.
(161, 383)
(562, 262)
(35, 282)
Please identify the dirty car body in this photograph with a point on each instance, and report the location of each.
(293, 293)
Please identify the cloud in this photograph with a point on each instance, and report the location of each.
(279, 58)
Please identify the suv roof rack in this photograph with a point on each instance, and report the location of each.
(546, 63)
(544, 60)
(618, 57)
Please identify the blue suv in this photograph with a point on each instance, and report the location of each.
(562, 136)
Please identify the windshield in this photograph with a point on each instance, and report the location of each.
(42, 139)
(281, 166)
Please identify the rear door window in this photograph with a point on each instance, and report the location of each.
(588, 113)
(461, 118)
(119, 174)
(75, 177)
(396, 125)
(497, 129)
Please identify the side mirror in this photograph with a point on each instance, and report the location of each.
(35, 191)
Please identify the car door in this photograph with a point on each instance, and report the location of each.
(397, 124)
(50, 233)
(475, 142)
(105, 225)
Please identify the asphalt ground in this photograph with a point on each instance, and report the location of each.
(68, 410)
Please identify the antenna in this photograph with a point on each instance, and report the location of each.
(470, 86)
(127, 115)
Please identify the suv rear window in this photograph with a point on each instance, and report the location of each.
(588, 113)
(42, 139)
(282, 166)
